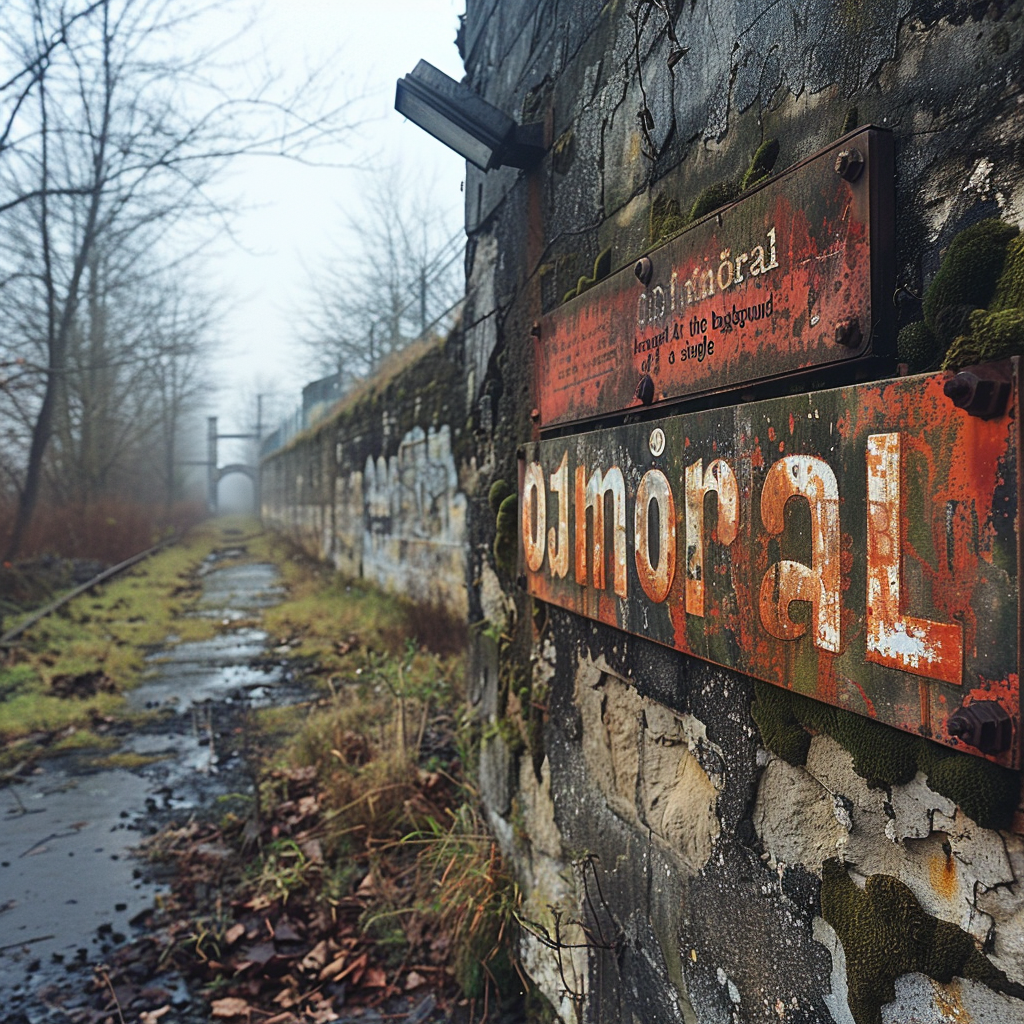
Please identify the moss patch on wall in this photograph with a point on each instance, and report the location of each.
(886, 933)
(974, 307)
(885, 756)
(506, 535)
(666, 218)
(602, 268)
(918, 347)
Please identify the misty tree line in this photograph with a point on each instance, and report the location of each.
(117, 118)
(399, 274)
(114, 128)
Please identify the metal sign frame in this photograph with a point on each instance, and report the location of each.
(794, 276)
(857, 545)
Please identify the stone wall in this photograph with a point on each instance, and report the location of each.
(692, 873)
(379, 487)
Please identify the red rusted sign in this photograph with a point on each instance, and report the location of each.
(791, 277)
(856, 545)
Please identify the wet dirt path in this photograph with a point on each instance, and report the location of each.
(69, 885)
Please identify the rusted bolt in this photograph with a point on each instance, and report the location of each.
(977, 396)
(985, 724)
(850, 164)
(848, 332)
(645, 389)
(535, 414)
(643, 268)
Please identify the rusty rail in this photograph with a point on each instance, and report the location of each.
(12, 634)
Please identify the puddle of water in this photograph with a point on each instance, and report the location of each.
(68, 885)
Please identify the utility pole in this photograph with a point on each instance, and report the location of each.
(423, 301)
(211, 464)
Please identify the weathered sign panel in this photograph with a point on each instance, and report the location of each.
(795, 275)
(857, 545)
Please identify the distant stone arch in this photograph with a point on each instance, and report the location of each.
(237, 467)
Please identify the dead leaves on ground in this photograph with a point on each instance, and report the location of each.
(298, 956)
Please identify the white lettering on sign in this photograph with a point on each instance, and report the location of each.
(812, 479)
(921, 646)
(894, 639)
(705, 280)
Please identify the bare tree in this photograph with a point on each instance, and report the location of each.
(401, 275)
(113, 137)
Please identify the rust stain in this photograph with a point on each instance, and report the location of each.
(942, 875)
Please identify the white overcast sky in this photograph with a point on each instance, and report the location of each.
(295, 214)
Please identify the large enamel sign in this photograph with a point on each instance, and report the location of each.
(794, 276)
(857, 545)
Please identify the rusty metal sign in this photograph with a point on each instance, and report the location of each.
(857, 545)
(795, 275)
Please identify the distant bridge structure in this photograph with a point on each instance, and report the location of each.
(215, 473)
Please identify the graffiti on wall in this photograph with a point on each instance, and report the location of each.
(411, 528)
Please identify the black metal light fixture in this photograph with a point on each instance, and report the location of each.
(474, 128)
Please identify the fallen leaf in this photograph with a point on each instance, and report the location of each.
(234, 933)
(285, 932)
(375, 978)
(229, 1007)
(152, 1016)
(413, 980)
(316, 958)
(312, 851)
(261, 953)
(286, 998)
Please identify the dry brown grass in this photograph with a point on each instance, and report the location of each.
(108, 530)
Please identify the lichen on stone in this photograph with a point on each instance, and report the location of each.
(885, 933)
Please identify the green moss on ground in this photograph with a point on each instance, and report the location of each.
(885, 756)
(886, 933)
